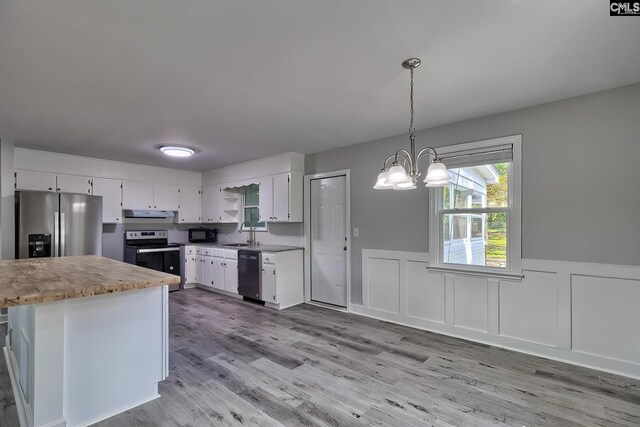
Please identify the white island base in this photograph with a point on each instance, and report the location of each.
(78, 361)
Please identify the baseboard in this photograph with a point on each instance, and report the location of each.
(219, 291)
(599, 363)
(21, 406)
(329, 306)
(119, 411)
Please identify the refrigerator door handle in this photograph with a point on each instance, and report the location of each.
(62, 234)
(56, 223)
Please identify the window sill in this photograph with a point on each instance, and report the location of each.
(515, 277)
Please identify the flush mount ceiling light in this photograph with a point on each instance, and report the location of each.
(404, 172)
(175, 151)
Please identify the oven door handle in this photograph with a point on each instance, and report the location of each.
(148, 251)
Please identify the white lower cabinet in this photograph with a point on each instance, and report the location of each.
(269, 283)
(282, 274)
(282, 279)
(215, 268)
(217, 273)
(190, 265)
(199, 273)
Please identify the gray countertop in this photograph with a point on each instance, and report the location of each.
(261, 248)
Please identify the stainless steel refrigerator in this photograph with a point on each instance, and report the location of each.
(57, 224)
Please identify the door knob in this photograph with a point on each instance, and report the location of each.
(345, 248)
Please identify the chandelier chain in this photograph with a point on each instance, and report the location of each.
(411, 128)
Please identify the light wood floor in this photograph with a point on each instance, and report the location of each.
(233, 363)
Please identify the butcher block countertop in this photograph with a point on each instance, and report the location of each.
(39, 280)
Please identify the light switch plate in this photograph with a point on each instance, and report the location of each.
(356, 232)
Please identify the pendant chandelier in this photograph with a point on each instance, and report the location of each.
(404, 170)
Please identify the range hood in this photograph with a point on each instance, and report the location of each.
(147, 213)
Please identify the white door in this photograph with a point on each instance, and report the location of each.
(329, 240)
(111, 192)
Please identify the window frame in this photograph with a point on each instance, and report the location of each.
(244, 227)
(513, 209)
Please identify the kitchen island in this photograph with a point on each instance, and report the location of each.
(87, 337)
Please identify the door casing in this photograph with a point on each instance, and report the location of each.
(307, 234)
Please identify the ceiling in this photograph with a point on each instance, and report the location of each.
(240, 80)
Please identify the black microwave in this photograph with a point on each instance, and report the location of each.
(202, 235)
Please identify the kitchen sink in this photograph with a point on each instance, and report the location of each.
(236, 245)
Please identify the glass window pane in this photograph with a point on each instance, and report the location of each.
(477, 229)
(252, 215)
(486, 245)
(498, 189)
(446, 197)
(251, 195)
(496, 252)
(479, 186)
(460, 226)
(477, 200)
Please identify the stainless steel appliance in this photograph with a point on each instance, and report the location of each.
(147, 213)
(57, 224)
(250, 273)
(151, 249)
(203, 235)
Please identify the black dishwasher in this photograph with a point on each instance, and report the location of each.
(250, 274)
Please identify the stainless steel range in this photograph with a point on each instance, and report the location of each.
(151, 249)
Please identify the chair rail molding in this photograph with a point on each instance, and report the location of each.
(579, 313)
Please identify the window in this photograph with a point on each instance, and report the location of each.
(250, 209)
(475, 220)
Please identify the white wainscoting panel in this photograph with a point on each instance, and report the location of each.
(605, 315)
(580, 313)
(528, 310)
(384, 292)
(425, 293)
(470, 302)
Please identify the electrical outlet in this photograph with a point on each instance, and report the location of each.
(356, 232)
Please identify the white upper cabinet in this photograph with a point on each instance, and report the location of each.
(281, 197)
(207, 204)
(111, 192)
(265, 199)
(166, 197)
(190, 199)
(73, 184)
(137, 195)
(38, 181)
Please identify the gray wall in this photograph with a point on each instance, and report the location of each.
(581, 181)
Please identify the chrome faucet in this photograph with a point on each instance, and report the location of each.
(252, 233)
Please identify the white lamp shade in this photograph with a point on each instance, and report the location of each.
(437, 175)
(381, 182)
(405, 186)
(397, 175)
(438, 183)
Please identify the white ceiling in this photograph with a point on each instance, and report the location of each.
(241, 79)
